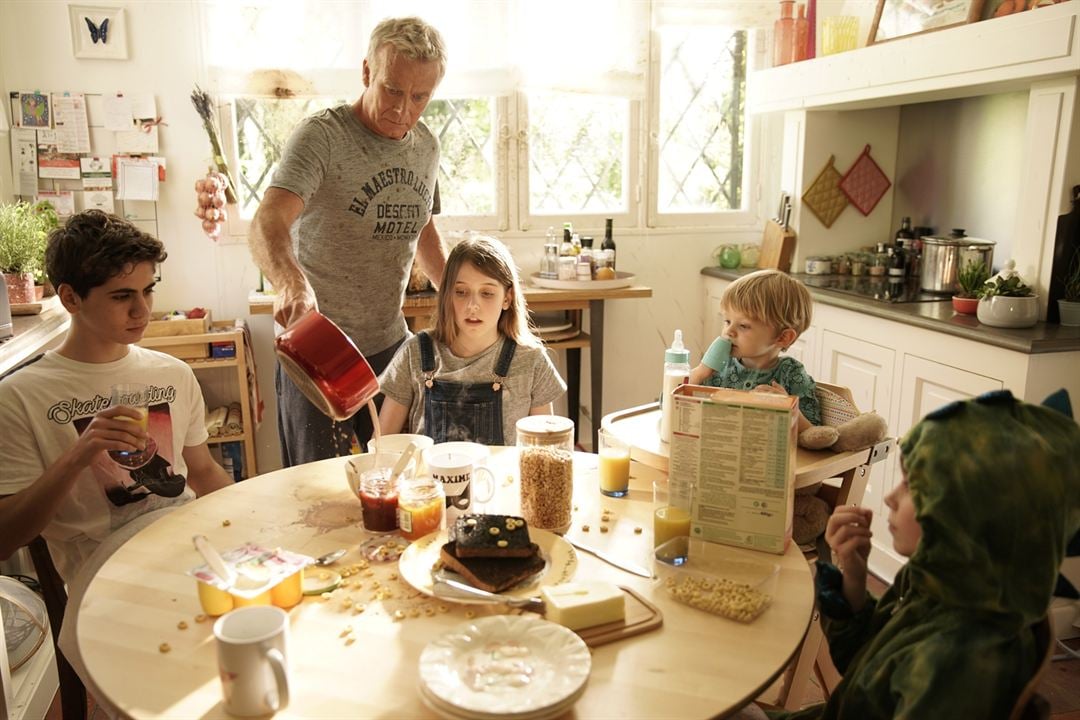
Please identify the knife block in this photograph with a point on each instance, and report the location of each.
(777, 247)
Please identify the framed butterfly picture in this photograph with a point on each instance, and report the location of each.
(98, 32)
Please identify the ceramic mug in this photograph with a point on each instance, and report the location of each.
(252, 647)
(458, 473)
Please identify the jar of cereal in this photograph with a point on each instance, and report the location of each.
(546, 464)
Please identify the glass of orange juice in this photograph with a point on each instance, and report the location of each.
(135, 396)
(614, 464)
(670, 521)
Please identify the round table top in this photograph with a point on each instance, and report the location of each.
(696, 665)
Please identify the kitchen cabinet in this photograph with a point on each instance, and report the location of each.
(226, 381)
(837, 104)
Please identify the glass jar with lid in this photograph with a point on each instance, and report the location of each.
(421, 506)
(379, 500)
(546, 468)
(567, 267)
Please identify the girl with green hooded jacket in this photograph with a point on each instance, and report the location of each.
(989, 499)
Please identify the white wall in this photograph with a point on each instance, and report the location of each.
(959, 165)
(35, 53)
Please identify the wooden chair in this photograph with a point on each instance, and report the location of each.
(1030, 705)
(72, 692)
(813, 656)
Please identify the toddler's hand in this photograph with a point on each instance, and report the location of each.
(773, 388)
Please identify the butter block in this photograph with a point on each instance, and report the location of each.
(578, 605)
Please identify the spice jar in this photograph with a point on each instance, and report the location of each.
(379, 500)
(567, 267)
(421, 506)
(546, 467)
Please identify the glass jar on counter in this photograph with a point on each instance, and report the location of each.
(880, 263)
(567, 267)
(546, 468)
(749, 254)
(421, 506)
(729, 256)
(549, 265)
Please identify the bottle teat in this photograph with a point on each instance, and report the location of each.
(677, 353)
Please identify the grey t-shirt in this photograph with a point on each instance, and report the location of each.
(366, 198)
(532, 380)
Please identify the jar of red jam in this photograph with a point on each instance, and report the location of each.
(379, 500)
(421, 507)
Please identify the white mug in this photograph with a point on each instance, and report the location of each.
(252, 650)
(458, 473)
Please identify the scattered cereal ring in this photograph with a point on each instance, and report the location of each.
(226, 523)
(200, 618)
(181, 625)
(164, 648)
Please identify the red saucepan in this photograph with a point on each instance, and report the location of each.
(326, 366)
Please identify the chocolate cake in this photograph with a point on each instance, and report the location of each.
(492, 574)
(492, 536)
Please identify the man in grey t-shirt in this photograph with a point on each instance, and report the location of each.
(351, 203)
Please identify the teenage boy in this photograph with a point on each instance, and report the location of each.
(57, 427)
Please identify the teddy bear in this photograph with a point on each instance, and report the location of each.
(861, 431)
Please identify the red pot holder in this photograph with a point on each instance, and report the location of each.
(864, 183)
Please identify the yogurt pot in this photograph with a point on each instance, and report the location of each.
(266, 577)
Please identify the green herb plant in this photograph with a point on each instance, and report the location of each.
(971, 278)
(1071, 280)
(23, 230)
(1011, 285)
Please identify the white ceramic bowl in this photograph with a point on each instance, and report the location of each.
(398, 442)
(1008, 312)
(357, 465)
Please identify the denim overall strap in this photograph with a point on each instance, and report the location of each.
(456, 411)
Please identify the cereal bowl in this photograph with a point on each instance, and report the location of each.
(397, 442)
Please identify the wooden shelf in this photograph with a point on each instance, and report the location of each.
(993, 56)
(222, 331)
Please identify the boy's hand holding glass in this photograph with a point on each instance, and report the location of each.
(848, 534)
(134, 400)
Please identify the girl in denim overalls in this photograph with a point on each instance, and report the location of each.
(480, 369)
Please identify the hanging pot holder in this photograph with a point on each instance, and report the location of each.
(824, 197)
(865, 183)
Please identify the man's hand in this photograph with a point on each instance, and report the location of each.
(116, 428)
(292, 303)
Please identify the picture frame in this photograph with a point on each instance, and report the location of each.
(900, 18)
(98, 32)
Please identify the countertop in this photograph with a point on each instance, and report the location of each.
(939, 317)
(32, 333)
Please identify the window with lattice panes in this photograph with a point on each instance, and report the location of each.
(701, 129)
(465, 128)
(577, 154)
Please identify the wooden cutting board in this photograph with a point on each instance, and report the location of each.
(777, 247)
(34, 308)
(641, 616)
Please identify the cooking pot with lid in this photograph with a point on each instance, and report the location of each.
(943, 256)
(327, 367)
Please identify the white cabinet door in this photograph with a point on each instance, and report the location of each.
(804, 349)
(867, 369)
(927, 385)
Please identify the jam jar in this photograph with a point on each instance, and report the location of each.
(546, 466)
(421, 507)
(379, 500)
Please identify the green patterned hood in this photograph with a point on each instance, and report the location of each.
(996, 487)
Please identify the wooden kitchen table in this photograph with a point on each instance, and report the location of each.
(696, 665)
(419, 309)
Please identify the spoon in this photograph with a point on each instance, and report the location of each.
(330, 557)
(399, 466)
(214, 560)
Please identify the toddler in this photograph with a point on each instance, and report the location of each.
(480, 369)
(764, 313)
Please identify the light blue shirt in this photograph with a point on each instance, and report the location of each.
(789, 373)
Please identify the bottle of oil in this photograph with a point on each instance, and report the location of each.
(609, 243)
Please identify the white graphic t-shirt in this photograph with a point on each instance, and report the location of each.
(47, 403)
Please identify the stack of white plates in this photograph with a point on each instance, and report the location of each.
(504, 667)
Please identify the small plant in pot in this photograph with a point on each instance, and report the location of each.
(1069, 302)
(22, 248)
(971, 279)
(1005, 300)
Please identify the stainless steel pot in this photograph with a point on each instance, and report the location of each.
(942, 258)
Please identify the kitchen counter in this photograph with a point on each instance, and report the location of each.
(33, 333)
(939, 316)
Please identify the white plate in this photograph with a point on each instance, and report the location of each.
(419, 559)
(622, 279)
(514, 665)
(450, 712)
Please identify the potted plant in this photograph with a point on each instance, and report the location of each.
(1069, 302)
(22, 249)
(1005, 300)
(971, 278)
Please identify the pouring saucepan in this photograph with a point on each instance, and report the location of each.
(326, 365)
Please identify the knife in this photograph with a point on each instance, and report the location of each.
(610, 559)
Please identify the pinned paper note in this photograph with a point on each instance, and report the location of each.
(98, 200)
(51, 162)
(96, 173)
(24, 168)
(69, 119)
(117, 110)
(63, 201)
(137, 142)
(136, 179)
(34, 109)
